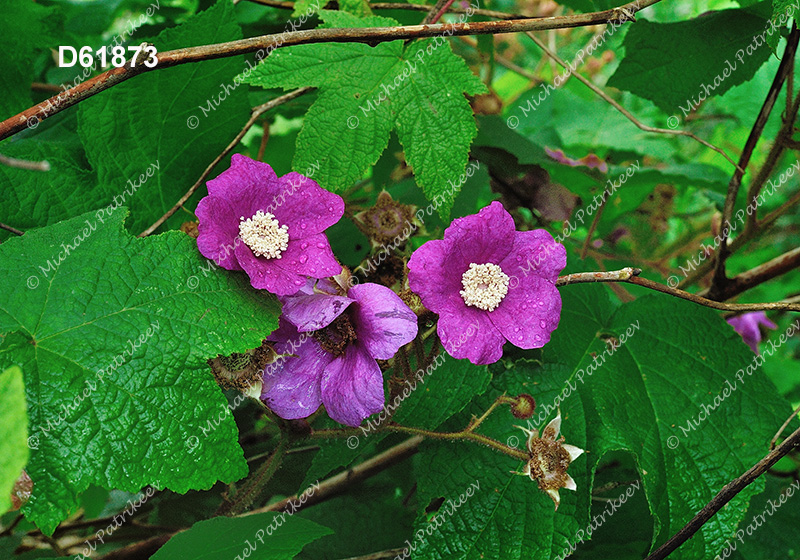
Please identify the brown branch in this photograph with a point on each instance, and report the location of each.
(371, 36)
(337, 484)
(720, 279)
(382, 555)
(13, 230)
(631, 276)
(726, 495)
(627, 114)
(257, 112)
(400, 6)
(761, 225)
(135, 551)
(758, 275)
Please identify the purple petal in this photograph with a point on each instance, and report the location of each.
(218, 232)
(245, 175)
(311, 256)
(352, 386)
(535, 253)
(470, 334)
(485, 237)
(529, 312)
(292, 384)
(383, 321)
(315, 311)
(305, 207)
(430, 278)
(747, 324)
(266, 274)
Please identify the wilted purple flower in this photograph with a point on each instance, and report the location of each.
(328, 341)
(747, 324)
(269, 226)
(489, 283)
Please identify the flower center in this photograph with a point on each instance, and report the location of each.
(336, 337)
(485, 286)
(265, 236)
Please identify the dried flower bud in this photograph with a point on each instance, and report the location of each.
(242, 371)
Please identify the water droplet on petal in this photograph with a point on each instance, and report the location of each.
(320, 245)
(304, 245)
(304, 258)
(542, 324)
(303, 225)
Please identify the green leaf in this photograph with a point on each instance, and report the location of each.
(25, 31)
(13, 433)
(142, 129)
(365, 92)
(673, 359)
(307, 7)
(679, 65)
(264, 536)
(35, 199)
(113, 334)
(439, 392)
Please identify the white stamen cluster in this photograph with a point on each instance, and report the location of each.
(264, 235)
(485, 286)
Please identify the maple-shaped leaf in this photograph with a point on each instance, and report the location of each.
(366, 92)
(113, 333)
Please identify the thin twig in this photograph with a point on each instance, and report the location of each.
(24, 164)
(592, 227)
(631, 276)
(370, 36)
(758, 275)
(13, 230)
(724, 496)
(720, 279)
(623, 110)
(748, 234)
(382, 555)
(783, 427)
(337, 484)
(400, 6)
(257, 112)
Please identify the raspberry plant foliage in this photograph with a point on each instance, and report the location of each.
(293, 292)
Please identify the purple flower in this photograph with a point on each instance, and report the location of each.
(328, 341)
(269, 226)
(747, 324)
(489, 283)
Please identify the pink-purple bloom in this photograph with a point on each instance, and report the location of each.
(490, 283)
(327, 344)
(271, 227)
(747, 325)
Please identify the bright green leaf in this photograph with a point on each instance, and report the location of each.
(676, 360)
(13, 433)
(365, 92)
(169, 123)
(113, 334)
(265, 536)
(679, 65)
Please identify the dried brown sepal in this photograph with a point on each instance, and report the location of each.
(21, 492)
(242, 371)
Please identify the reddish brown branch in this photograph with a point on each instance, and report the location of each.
(760, 274)
(726, 495)
(371, 36)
